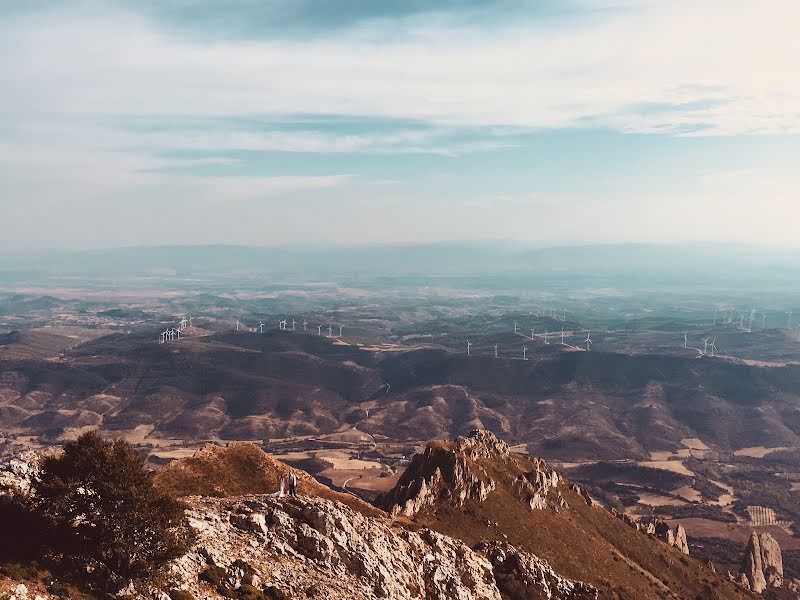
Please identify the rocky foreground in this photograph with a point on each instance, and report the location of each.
(317, 548)
(468, 520)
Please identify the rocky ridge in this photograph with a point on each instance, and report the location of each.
(318, 548)
(449, 472)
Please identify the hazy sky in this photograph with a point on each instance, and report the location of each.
(294, 121)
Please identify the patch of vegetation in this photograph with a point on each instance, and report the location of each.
(100, 505)
(699, 511)
(95, 519)
(221, 581)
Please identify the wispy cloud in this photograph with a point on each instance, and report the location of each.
(738, 54)
(427, 83)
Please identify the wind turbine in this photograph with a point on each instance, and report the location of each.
(283, 324)
(524, 353)
(565, 316)
(319, 329)
(305, 324)
(713, 346)
(588, 341)
(294, 323)
(261, 326)
(705, 347)
(161, 339)
(562, 336)
(190, 320)
(469, 345)
(763, 321)
(178, 333)
(546, 342)
(340, 331)
(532, 332)
(237, 324)
(330, 331)
(685, 339)
(495, 350)
(515, 327)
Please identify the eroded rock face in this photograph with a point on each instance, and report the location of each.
(17, 472)
(445, 473)
(296, 544)
(481, 443)
(301, 546)
(763, 563)
(680, 539)
(662, 531)
(451, 473)
(523, 576)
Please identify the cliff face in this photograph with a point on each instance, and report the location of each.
(450, 472)
(762, 567)
(313, 547)
(474, 489)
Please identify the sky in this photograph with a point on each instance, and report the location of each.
(274, 122)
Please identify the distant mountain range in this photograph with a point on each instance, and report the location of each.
(486, 264)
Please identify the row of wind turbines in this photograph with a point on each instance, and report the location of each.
(283, 325)
(545, 336)
(745, 319)
(174, 333)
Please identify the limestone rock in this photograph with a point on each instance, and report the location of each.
(445, 473)
(299, 543)
(17, 473)
(680, 539)
(673, 537)
(523, 576)
(763, 563)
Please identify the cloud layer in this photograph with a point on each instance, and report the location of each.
(102, 101)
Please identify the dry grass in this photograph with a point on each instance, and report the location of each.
(242, 468)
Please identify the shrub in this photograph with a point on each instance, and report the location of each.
(100, 503)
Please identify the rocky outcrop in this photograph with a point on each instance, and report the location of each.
(301, 546)
(534, 487)
(17, 472)
(680, 541)
(661, 530)
(523, 576)
(762, 567)
(445, 472)
(298, 544)
(480, 443)
(451, 472)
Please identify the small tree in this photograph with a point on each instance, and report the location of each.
(100, 501)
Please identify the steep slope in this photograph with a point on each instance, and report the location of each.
(325, 540)
(316, 548)
(243, 468)
(475, 490)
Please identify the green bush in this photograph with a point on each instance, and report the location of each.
(100, 504)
